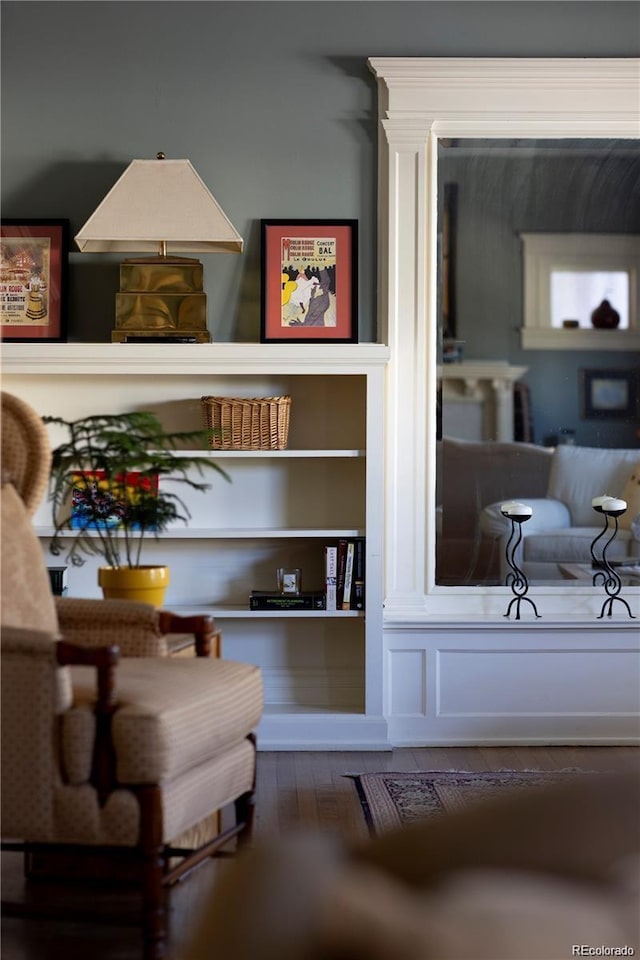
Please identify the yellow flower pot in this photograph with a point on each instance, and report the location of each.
(145, 584)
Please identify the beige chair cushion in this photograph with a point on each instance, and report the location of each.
(26, 590)
(81, 818)
(173, 714)
(33, 691)
(26, 452)
(188, 800)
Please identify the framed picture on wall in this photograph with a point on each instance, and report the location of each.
(33, 279)
(309, 281)
(609, 394)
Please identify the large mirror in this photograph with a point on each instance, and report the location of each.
(538, 300)
(507, 124)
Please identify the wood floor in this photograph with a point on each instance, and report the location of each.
(311, 790)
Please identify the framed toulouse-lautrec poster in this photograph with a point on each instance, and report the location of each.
(33, 279)
(309, 281)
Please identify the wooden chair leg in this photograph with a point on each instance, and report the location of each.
(245, 805)
(154, 913)
(154, 930)
(245, 809)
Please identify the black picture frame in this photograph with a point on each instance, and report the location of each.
(609, 394)
(34, 264)
(318, 261)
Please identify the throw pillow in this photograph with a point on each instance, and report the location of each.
(631, 494)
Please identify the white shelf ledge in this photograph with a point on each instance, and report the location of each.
(189, 359)
(230, 533)
(222, 612)
(276, 454)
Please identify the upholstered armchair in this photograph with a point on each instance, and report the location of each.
(112, 748)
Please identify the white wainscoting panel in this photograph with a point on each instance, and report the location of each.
(407, 683)
(536, 683)
(506, 683)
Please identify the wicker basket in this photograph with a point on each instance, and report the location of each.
(253, 423)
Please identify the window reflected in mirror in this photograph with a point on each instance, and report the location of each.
(539, 287)
(573, 295)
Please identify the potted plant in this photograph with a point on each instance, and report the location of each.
(106, 488)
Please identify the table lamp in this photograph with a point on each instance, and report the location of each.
(161, 207)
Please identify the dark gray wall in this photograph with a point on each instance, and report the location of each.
(271, 101)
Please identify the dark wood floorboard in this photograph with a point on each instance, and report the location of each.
(294, 790)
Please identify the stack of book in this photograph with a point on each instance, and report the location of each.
(344, 574)
(268, 600)
(344, 583)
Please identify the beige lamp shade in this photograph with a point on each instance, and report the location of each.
(156, 202)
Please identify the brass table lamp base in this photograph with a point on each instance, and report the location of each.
(161, 298)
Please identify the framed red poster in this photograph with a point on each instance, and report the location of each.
(309, 281)
(33, 279)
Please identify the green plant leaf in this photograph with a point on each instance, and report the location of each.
(100, 454)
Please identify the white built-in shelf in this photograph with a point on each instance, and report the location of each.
(225, 533)
(276, 454)
(228, 612)
(322, 669)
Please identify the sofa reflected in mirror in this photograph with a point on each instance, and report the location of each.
(476, 478)
(564, 524)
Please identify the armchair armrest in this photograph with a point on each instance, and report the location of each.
(547, 514)
(139, 629)
(201, 627)
(98, 623)
(105, 660)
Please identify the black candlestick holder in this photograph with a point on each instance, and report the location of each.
(607, 576)
(517, 579)
(596, 562)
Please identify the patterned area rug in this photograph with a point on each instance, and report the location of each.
(391, 799)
